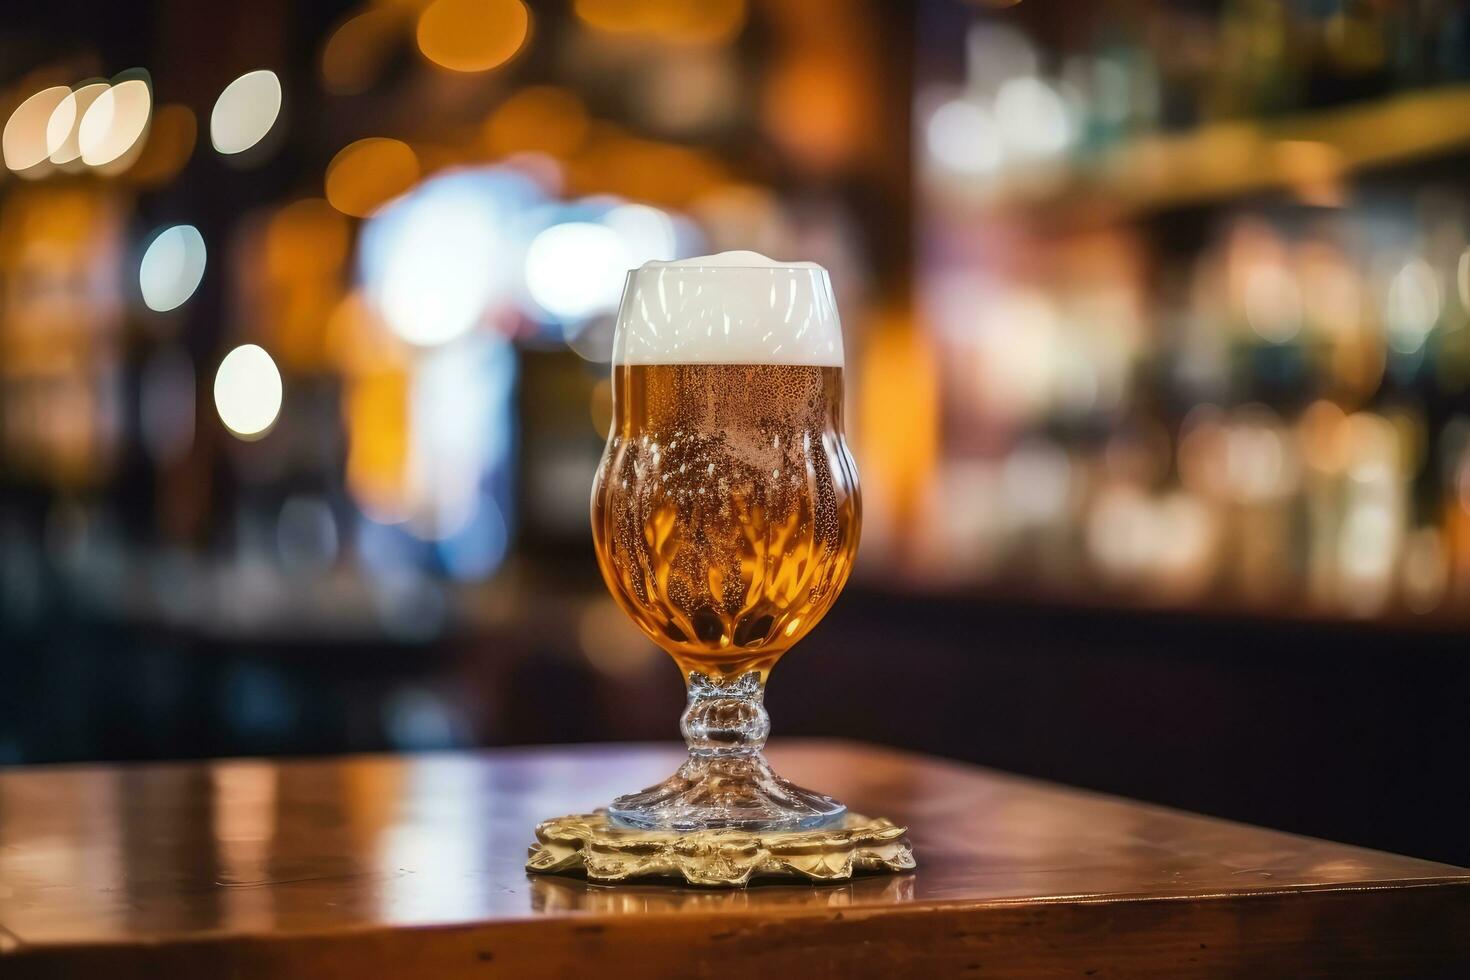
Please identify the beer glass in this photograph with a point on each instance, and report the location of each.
(725, 512)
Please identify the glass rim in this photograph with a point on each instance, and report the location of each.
(797, 266)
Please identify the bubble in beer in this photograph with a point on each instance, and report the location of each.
(726, 511)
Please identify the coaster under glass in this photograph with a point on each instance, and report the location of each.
(591, 845)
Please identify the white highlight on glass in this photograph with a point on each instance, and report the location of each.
(247, 391)
(24, 142)
(172, 267)
(963, 137)
(576, 270)
(245, 111)
(115, 122)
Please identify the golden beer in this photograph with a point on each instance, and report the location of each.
(725, 513)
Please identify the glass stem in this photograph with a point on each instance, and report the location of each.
(725, 718)
(726, 782)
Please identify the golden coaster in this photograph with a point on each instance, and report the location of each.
(587, 843)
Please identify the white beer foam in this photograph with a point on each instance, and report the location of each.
(730, 308)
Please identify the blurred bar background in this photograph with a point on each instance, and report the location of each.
(1158, 331)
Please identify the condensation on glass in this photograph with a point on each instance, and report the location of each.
(725, 512)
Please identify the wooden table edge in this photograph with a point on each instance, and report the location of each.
(13, 945)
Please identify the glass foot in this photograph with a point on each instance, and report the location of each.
(738, 792)
(726, 782)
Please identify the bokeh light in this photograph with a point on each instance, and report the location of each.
(962, 135)
(375, 408)
(1462, 278)
(613, 162)
(247, 391)
(115, 123)
(1426, 569)
(170, 143)
(695, 22)
(1273, 302)
(461, 405)
(814, 108)
(996, 52)
(540, 119)
(1413, 305)
(648, 234)
(472, 35)
(303, 252)
(245, 111)
(366, 174)
(61, 125)
(1032, 117)
(62, 128)
(25, 142)
(172, 267)
(576, 269)
(434, 261)
(355, 53)
(1323, 436)
(610, 640)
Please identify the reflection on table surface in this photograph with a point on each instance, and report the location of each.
(93, 853)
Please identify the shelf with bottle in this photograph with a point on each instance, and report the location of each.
(1110, 111)
(1311, 156)
(1275, 419)
(1199, 300)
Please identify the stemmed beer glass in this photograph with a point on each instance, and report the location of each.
(725, 512)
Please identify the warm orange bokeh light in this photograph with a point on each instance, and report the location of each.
(111, 132)
(645, 170)
(25, 141)
(1323, 437)
(1314, 170)
(898, 415)
(538, 119)
(812, 106)
(473, 35)
(305, 250)
(677, 21)
(170, 143)
(366, 174)
(61, 128)
(355, 53)
(306, 233)
(375, 407)
(55, 343)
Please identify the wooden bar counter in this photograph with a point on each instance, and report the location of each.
(412, 867)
